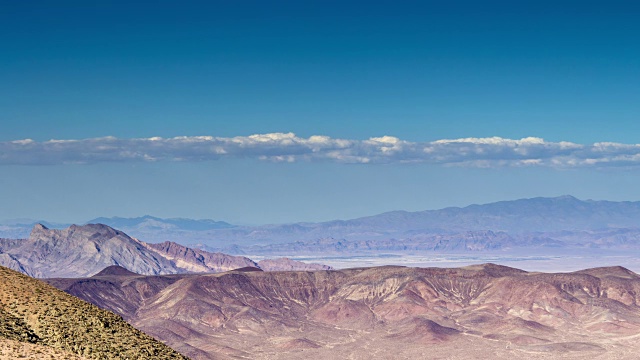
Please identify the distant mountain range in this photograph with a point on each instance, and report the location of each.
(542, 223)
(85, 250)
(20, 228)
(539, 222)
(527, 216)
(150, 222)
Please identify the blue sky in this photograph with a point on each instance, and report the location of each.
(417, 71)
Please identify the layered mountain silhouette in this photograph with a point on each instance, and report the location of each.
(518, 219)
(38, 321)
(563, 221)
(210, 305)
(85, 250)
(481, 311)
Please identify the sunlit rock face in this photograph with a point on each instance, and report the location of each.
(38, 321)
(79, 251)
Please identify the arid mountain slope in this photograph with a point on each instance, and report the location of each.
(195, 260)
(34, 312)
(13, 349)
(484, 311)
(85, 250)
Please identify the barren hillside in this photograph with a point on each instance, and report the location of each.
(484, 311)
(34, 312)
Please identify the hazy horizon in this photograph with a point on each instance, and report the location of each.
(83, 221)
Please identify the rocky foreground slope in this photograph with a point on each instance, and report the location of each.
(85, 250)
(479, 312)
(39, 321)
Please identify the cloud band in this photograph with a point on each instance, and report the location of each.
(287, 147)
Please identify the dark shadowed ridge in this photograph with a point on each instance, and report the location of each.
(115, 270)
(248, 269)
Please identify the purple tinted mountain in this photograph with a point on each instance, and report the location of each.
(561, 222)
(483, 311)
(195, 260)
(81, 250)
(85, 250)
(21, 228)
(460, 242)
(145, 225)
(546, 222)
(538, 215)
(518, 216)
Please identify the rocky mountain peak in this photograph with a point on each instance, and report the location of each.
(85, 250)
(89, 231)
(39, 226)
(38, 229)
(97, 230)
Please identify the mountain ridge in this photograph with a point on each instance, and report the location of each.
(179, 223)
(563, 221)
(514, 217)
(479, 311)
(84, 250)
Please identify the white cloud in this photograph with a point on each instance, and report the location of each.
(287, 147)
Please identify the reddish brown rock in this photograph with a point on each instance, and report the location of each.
(485, 311)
